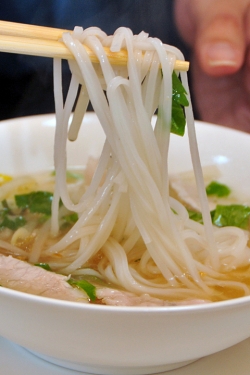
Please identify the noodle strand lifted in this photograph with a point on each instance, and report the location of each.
(129, 230)
(136, 156)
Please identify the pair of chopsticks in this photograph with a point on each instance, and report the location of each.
(45, 41)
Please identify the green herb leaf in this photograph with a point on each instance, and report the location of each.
(178, 121)
(71, 218)
(179, 100)
(9, 219)
(45, 266)
(72, 176)
(39, 202)
(196, 216)
(179, 94)
(6, 207)
(218, 189)
(86, 286)
(12, 222)
(68, 220)
(233, 215)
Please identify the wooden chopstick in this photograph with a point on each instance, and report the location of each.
(52, 48)
(45, 41)
(30, 31)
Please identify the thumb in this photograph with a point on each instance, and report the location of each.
(220, 41)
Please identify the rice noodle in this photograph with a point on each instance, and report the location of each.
(146, 240)
(180, 250)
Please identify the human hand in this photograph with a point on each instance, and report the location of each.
(218, 33)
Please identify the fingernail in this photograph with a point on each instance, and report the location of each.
(221, 54)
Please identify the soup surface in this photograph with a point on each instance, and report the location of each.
(26, 235)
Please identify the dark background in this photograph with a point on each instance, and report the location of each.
(26, 81)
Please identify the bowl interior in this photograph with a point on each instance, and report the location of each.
(26, 145)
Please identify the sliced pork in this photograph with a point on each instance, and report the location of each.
(24, 277)
(115, 297)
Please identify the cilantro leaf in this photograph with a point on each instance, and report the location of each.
(71, 218)
(45, 266)
(39, 202)
(8, 219)
(86, 286)
(68, 220)
(178, 121)
(6, 207)
(179, 94)
(72, 176)
(12, 222)
(196, 216)
(179, 100)
(218, 189)
(235, 215)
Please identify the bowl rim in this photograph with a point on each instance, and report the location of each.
(204, 307)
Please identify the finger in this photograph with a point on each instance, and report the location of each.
(220, 40)
(247, 55)
(185, 20)
(247, 24)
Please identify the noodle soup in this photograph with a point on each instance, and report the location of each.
(25, 229)
(121, 238)
(123, 230)
(161, 334)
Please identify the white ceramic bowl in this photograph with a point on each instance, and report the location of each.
(121, 340)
